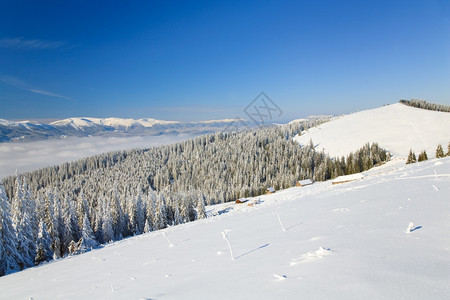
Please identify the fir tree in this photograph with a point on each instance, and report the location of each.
(55, 227)
(411, 157)
(160, 216)
(422, 156)
(140, 214)
(117, 215)
(87, 240)
(448, 149)
(201, 211)
(9, 256)
(82, 208)
(107, 229)
(439, 152)
(72, 249)
(43, 245)
(177, 217)
(69, 224)
(147, 227)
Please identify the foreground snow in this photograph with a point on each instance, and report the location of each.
(347, 241)
(396, 128)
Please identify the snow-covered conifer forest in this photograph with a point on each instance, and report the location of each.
(70, 208)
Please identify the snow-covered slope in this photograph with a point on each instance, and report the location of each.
(347, 241)
(396, 127)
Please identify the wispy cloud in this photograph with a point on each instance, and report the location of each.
(22, 43)
(17, 83)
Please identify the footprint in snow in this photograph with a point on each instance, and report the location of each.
(311, 256)
(412, 228)
(344, 209)
(279, 277)
(99, 259)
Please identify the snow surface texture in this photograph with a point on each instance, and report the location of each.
(396, 128)
(344, 241)
(29, 156)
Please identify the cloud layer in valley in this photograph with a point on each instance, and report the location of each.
(34, 155)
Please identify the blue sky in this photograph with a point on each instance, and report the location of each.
(202, 60)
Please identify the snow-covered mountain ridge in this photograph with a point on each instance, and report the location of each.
(112, 122)
(396, 128)
(80, 127)
(347, 241)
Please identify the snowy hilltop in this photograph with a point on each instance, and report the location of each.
(396, 128)
(347, 241)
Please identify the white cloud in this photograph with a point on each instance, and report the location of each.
(34, 155)
(22, 43)
(17, 83)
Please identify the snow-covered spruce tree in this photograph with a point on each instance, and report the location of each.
(201, 211)
(131, 216)
(448, 150)
(160, 216)
(107, 224)
(147, 227)
(70, 231)
(140, 213)
(30, 205)
(439, 152)
(9, 256)
(150, 210)
(43, 245)
(117, 215)
(422, 156)
(56, 226)
(21, 221)
(72, 249)
(177, 217)
(82, 208)
(411, 157)
(87, 241)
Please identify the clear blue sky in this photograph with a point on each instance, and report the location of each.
(201, 60)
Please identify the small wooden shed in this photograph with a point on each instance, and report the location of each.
(347, 178)
(270, 190)
(305, 182)
(240, 201)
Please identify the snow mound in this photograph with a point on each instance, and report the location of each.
(396, 128)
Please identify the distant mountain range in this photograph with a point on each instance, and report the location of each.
(11, 131)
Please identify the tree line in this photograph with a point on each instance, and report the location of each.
(425, 105)
(423, 155)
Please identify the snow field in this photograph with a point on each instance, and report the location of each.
(345, 241)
